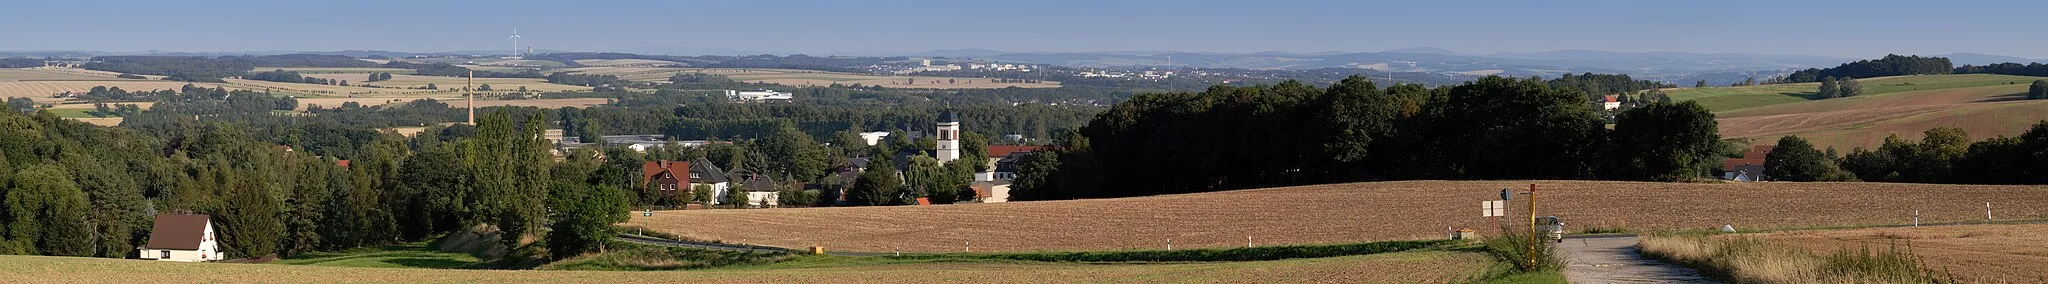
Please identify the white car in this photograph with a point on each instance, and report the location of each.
(1553, 225)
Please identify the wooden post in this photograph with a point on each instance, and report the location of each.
(1532, 226)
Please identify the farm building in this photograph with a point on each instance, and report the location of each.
(759, 96)
(181, 237)
(991, 191)
(1750, 167)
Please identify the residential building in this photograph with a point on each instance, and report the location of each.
(181, 237)
(991, 191)
(760, 189)
(1610, 102)
(1750, 167)
(702, 172)
(1002, 161)
(665, 177)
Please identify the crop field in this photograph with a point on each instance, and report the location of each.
(42, 74)
(45, 89)
(1975, 253)
(1421, 266)
(808, 77)
(1336, 213)
(450, 84)
(1991, 108)
(334, 70)
(1722, 99)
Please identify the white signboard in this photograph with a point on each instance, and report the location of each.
(1493, 208)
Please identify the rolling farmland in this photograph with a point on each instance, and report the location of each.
(807, 77)
(1337, 213)
(1976, 253)
(1420, 266)
(450, 84)
(1984, 105)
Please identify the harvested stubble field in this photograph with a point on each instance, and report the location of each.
(1337, 213)
(454, 101)
(1422, 266)
(49, 74)
(45, 89)
(1975, 253)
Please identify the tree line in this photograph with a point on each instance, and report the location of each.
(1943, 155)
(1890, 65)
(212, 69)
(1229, 138)
(292, 77)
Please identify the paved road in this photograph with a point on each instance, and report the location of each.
(1613, 259)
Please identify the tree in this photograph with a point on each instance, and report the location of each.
(250, 225)
(583, 218)
(791, 153)
(431, 86)
(735, 196)
(1700, 84)
(48, 212)
(701, 193)
(1871, 166)
(1795, 160)
(2037, 91)
(483, 87)
(1663, 142)
(1849, 87)
(1828, 89)
(878, 185)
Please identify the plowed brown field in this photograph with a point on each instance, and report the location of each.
(1976, 253)
(1338, 213)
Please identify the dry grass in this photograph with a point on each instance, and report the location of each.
(1337, 213)
(808, 77)
(1985, 253)
(1432, 266)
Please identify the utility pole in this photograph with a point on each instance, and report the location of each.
(468, 98)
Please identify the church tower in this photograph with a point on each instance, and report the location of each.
(949, 137)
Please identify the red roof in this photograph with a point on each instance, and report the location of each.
(678, 169)
(996, 151)
(1753, 157)
(342, 163)
(1612, 98)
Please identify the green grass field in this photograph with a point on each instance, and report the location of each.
(1722, 99)
(409, 255)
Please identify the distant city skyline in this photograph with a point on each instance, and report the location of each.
(1859, 29)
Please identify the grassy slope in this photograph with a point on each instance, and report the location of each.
(411, 255)
(1425, 266)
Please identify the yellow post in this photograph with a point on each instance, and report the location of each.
(1532, 226)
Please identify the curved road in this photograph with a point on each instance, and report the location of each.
(1614, 259)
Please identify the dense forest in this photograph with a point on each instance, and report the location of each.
(1230, 138)
(1943, 155)
(20, 62)
(289, 77)
(1890, 65)
(1597, 85)
(450, 70)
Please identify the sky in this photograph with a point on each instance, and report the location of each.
(1857, 29)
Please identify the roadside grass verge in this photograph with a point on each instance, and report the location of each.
(1739, 259)
(1202, 255)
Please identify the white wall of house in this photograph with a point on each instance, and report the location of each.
(774, 199)
(717, 191)
(209, 250)
(998, 193)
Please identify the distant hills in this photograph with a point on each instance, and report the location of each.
(1681, 68)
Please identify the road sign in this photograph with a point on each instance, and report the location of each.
(1493, 208)
(1505, 195)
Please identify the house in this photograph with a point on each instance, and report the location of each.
(1750, 167)
(760, 189)
(181, 237)
(667, 178)
(991, 191)
(1610, 102)
(1002, 161)
(703, 173)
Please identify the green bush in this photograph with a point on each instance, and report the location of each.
(625, 256)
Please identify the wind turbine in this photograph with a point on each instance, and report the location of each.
(515, 42)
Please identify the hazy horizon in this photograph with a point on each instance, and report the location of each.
(1864, 29)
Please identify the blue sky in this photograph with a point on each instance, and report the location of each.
(1835, 28)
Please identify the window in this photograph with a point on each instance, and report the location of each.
(166, 254)
(696, 176)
